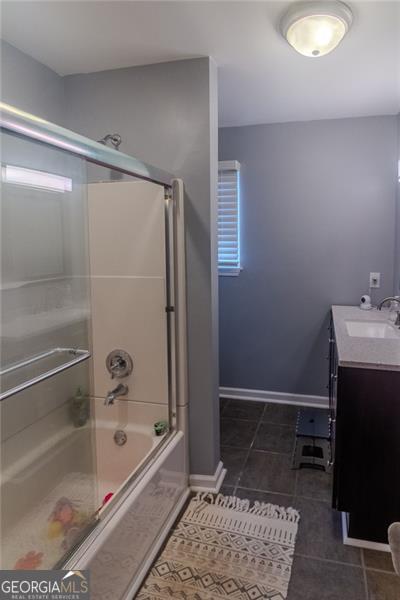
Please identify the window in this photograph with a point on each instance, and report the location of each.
(228, 218)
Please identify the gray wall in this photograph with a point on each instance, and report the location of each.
(318, 214)
(29, 85)
(397, 258)
(167, 116)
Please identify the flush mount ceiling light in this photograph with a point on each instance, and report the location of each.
(316, 27)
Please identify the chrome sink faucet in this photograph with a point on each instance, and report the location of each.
(391, 299)
(120, 390)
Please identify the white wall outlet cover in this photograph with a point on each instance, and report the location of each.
(374, 280)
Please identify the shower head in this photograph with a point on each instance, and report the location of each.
(114, 138)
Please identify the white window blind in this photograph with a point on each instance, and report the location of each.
(228, 218)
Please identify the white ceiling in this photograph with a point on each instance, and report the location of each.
(261, 78)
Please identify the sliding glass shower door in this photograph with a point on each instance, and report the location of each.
(48, 486)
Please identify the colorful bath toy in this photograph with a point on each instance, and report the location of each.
(31, 561)
(107, 497)
(65, 521)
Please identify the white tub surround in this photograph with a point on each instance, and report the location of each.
(365, 352)
(128, 285)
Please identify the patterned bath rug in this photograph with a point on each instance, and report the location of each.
(224, 548)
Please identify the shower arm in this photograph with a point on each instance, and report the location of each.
(114, 138)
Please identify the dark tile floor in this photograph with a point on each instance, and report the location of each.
(256, 444)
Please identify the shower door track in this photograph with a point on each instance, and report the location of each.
(27, 125)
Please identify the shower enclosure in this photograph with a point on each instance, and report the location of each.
(93, 355)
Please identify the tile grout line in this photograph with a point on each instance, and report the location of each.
(300, 497)
(259, 424)
(256, 449)
(249, 489)
(364, 574)
(248, 452)
(295, 485)
(376, 570)
(221, 408)
(238, 419)
(329, 560)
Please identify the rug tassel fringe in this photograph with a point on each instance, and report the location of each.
(261, 509)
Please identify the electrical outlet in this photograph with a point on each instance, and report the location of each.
(374, 280)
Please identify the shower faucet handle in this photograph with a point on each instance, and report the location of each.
(119, 364)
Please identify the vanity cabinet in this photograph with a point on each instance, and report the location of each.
(365, 426)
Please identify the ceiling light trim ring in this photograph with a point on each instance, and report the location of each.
(314, 8)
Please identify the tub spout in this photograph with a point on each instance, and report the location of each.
(120, 390)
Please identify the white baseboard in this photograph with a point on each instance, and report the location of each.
(348, 541)
(208, 483)
(134, 587)
(274, 397)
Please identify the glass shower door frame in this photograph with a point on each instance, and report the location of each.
(28, 126)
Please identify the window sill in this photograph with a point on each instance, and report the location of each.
(226, 272)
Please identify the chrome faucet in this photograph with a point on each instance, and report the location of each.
(120, 390)
(391, 299)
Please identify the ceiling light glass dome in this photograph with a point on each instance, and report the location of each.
(315, 28)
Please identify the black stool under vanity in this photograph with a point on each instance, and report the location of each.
(312, 445)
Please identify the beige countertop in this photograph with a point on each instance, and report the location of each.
(365, 352)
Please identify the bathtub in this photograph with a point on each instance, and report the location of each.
(116, 464)
(133, 527)
(84, 465)
(32, 484)
(148, 476)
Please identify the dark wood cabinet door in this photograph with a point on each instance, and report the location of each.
(367, 453)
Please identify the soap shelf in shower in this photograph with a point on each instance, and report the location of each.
(38, 368)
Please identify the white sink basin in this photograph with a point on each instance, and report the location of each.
(371, 329)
